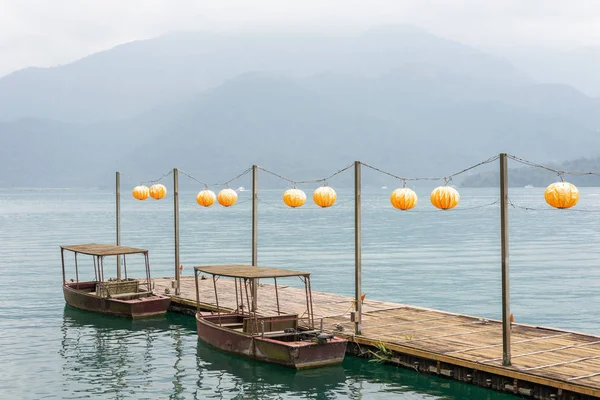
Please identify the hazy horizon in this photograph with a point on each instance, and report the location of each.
(420, 88)
(32, 34)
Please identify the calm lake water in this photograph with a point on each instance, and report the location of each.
(446, 260)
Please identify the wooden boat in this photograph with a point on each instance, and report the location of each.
(286, 339)
(120, 297)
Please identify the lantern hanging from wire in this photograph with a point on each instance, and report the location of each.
(158, 191)
(404, 198)
(294, 198)
(561, 195)
(140, 192)
(227, 197)
(324, 196)
(206, 198)
(444, 197)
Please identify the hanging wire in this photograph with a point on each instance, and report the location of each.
(475, 207)
(306, 181)
(226, 183)
(157, 180)
(237, 177)
(447, 178)
(285, 207)
(193, 178)
(549, 209)
(560, 173)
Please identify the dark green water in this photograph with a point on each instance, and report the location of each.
(444, 260)
(161, 358)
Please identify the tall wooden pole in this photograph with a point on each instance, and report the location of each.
(118, 212)
(254, 229)
(505, 267)
(357, 251)
(254, 216)
(176, 218)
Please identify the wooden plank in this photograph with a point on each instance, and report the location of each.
(543, 355)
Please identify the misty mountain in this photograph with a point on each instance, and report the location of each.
(131, 78)
(398, 98)
(299, 127)
(538, 177)
(577, 67)
(415, 85)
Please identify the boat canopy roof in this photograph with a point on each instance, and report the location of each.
(95, 249)
(248, 271)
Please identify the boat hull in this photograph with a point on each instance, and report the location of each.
(144, 307)
(299, 355)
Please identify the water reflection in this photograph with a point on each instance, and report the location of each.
(108, 355)
(162, 358)
(264, 380)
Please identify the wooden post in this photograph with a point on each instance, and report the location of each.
(357, 251)
(118, 211)
(254, 216)
(254, 230)
(176, 218)
(505, 267)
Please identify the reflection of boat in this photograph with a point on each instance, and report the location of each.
(284, 339)
(121, 297)
(76, 318)
(271, 378)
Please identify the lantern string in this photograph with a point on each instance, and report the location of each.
(269, 204)
(556, 171)
(415, 211)
(226, 183)
(157, 180)
(284, 207)
(447, 178)
(237, 177)
(193, 178)
(293, 182)
(550, 209)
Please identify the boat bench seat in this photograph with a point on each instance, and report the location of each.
(233, 325)
(114, 288)
(121, 295)
(271, 323)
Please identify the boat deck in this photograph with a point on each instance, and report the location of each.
(556, 359)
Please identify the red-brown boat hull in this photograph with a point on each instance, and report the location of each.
(299, 355)
(137, 308)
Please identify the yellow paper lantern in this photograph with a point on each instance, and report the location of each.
(158, 191)
(324, 196)
(206, 198)
(294, 198)
(404, 198)
(140, 192)
(227, 197)
(561, 195)
(444, 197)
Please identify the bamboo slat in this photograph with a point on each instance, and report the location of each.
(553, 357)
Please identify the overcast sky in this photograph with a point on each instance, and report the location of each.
(50, 32)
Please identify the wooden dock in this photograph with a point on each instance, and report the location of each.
(547, 363)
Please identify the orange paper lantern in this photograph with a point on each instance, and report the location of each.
(158, 191)
(561, 195)
(294, 198)
(140, 192)
(444, 197)
(404, 198)
(324, 196)
(227, 197)
(206, 198)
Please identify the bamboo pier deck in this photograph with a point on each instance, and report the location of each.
(546, 362)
